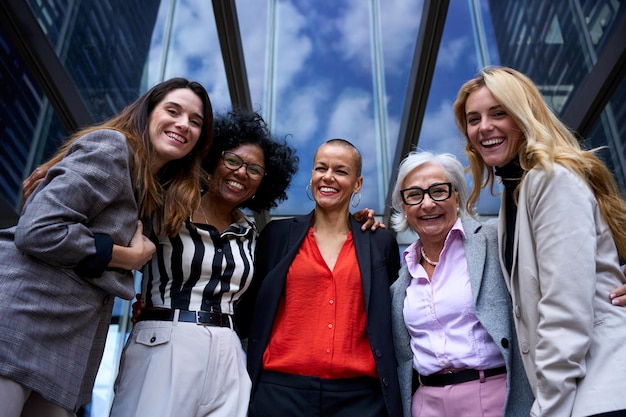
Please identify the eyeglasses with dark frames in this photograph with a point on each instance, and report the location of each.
(413, 196)
(233, 162)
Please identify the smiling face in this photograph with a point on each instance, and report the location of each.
(174, 126)
(233, 187)
(431, 220)
(334, 177)
(490, 129)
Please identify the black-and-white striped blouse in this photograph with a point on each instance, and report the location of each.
(201, 269)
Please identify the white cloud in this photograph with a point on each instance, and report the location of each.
(439, 132)
(299, 114)
(193, 52)
(354, 29)
(293, 47)
(351, 119)
(399, 21)
(451, 51)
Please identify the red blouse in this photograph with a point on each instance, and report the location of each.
(320, 325)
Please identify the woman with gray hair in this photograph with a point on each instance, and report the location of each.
(451, 313)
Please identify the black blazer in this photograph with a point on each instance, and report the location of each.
(379, 261)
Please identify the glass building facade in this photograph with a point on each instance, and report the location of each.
(382, 74)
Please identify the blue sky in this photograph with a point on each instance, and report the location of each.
(322, 84)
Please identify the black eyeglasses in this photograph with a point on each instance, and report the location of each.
(233, 162)
(437, 192)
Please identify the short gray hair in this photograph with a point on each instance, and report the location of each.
(447, 162)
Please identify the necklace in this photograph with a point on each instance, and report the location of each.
(427, 259)
(204, 214)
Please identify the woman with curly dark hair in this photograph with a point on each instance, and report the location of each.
(184, 356)
(280, 163)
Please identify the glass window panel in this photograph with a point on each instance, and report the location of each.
(558, 64)
(184, 43)
(103, 46)
(610, 131)
(466, 46)
(29, 128)
(323, 72)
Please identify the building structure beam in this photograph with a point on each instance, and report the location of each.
(20, 24)
(434, 14)
(229, 35)
(591, 97)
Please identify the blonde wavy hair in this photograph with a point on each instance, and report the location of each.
(170, 196)
(546, 141)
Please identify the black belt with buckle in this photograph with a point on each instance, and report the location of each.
(440, 380)
(206, 318)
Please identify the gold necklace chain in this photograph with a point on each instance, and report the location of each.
(204, 215)
(427, 259)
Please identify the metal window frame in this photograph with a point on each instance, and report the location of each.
(591, 97)
(434, 15)
(229, 35)
(17, 18)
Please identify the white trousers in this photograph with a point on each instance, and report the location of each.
(183, 370)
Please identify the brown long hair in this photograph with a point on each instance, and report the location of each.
(170, 196)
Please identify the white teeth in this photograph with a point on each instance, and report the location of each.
(235, 184)
(490, 142)
(327, 190)
(176, 137)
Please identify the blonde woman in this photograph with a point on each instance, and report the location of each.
(562, 227)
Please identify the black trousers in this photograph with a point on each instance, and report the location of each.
(286, 395)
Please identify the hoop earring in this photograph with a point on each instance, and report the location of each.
(307, 189)
(352, 199)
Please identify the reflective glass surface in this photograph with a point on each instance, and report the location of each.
(316, 70)
(323, 70)
(184, 43)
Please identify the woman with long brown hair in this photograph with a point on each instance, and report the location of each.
(79, 236)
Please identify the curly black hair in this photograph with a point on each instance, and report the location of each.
(239, 127)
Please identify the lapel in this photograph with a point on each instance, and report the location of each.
(475, 249)
(362, 243)
(502, 243)
(404, 279)
(296, 233)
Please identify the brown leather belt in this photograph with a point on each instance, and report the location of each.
(440, 380)
(205, 318)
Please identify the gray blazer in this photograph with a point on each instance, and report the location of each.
(493, 308)
(53, 320)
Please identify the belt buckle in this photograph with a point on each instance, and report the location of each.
(198, 322)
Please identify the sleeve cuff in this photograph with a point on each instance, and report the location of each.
(94, 265)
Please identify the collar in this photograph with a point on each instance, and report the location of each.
(411, 255)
